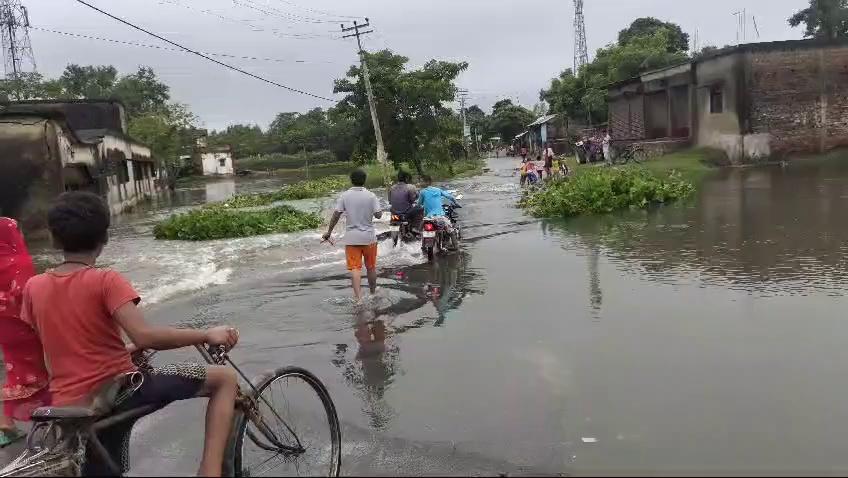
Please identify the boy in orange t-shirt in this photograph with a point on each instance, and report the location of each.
(79, 312)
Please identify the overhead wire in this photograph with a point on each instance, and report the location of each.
(274, 12)
(321, 12)
(164, 48)
(207, 57)
(247, 23)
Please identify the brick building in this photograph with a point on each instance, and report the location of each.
(752, 101)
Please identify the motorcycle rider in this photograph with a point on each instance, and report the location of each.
(431, 199)
(403, 197)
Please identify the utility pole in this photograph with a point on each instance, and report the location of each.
(14, 36)
(463, 96)
(382, 157)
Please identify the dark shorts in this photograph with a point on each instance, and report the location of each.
(161, 387)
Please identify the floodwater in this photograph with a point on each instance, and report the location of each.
(701, 338)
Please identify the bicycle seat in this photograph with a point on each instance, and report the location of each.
(100, 403)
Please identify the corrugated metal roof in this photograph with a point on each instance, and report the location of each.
(541, 120)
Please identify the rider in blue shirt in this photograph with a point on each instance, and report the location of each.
(431, 198)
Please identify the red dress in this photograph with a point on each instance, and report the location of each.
(26, 385)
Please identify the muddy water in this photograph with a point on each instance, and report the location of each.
(704, 338)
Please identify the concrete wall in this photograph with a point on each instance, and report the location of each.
(212, 164)
(720, 130)
(799, 99)
(30, 175)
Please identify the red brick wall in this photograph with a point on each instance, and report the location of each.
(800, 98)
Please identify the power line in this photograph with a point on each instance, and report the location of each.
(164, 48)
(269, 10)
(320, 12)
(225, 65)
(247, 23)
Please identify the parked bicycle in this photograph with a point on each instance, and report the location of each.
(270, 436)
(632, 152)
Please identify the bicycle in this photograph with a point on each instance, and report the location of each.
(633, 152)
(58, 443)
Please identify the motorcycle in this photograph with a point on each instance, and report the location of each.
(435, 237)
(401, 229)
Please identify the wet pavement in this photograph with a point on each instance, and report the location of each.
(702, 338)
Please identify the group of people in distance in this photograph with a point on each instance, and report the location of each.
(546, 165)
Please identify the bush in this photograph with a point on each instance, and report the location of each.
(285, 161)
(311, 188)
(602, 190)
(223, 223)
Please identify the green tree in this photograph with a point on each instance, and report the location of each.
(141, 92)
(410, 106)
(246, 140)
(87, 81)
(823, 19)
(648, 26)
(508, 119)
(585, 95)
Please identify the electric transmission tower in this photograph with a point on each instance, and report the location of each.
(581, 51)
(14, 32)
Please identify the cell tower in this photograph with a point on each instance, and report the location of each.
(581, 51)
(14, 31)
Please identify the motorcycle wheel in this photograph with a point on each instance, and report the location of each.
(395, 237)
(431, 254)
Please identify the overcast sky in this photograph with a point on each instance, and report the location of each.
(514, 47)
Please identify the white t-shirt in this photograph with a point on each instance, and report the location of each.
(359, 206)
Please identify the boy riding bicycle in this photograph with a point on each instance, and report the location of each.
(79, 312)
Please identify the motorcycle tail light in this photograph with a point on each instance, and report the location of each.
(429, 227)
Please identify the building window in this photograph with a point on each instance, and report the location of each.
(123, 171)
(716, 100)
(222, 162)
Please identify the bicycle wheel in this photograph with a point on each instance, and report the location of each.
(296, 408)
(640, 155)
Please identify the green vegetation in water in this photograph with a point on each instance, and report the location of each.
(312, 188)
(276, 161)
(691, 164)
(224, 223)
(603, 190)
(438, 171)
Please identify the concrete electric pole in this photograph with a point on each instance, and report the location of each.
(382, 157)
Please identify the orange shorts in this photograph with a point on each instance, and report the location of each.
(356, 253)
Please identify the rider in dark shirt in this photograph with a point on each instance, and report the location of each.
(403, 197)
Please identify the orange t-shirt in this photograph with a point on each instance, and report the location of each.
(73, 315)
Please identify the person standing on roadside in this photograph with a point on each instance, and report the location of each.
(26, 385)
(606, 145)
(549, 160)
(361, 207)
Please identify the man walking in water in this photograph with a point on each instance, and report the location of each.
(361, 207)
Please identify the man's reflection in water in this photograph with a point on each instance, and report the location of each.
(370, 371)
(373, 367)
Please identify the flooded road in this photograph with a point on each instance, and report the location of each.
(704, 338)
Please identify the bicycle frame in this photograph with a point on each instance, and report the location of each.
(248, 405)
(84, 433)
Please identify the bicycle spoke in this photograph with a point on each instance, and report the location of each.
(292, 404)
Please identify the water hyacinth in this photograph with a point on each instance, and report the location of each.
(600, 190)
(222, 222)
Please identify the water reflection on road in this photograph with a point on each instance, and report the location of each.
(703, 338)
